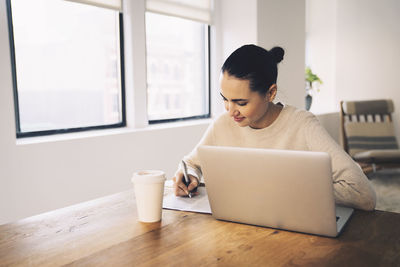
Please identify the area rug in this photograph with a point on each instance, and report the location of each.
(387, 187)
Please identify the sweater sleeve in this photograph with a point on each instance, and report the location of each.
(192, 160)
(351, 186)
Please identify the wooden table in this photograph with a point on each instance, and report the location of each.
(105, 232)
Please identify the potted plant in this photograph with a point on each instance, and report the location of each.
(312, 84)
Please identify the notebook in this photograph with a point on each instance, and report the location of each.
(284, 189)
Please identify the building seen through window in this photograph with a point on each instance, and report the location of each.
(177, 68)
(67, 66)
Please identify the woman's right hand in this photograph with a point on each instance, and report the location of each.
(179, 186)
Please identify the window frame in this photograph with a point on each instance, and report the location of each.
(207, 89)
(20, 134)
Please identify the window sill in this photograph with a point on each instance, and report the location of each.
(109, 132)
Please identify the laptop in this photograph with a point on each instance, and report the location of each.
(284, 189)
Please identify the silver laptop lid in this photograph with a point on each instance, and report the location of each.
(283, 189)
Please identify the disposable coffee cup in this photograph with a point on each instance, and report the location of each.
(149, 191)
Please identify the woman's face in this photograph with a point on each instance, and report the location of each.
(247, 108)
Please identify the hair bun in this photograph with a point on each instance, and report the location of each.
(277, 53)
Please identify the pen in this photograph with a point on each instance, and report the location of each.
(187, 182)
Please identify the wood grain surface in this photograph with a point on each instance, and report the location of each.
(105, 232)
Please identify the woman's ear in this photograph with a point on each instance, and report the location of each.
(271, 93)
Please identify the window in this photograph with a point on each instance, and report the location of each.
(67, 66)
(177, 68)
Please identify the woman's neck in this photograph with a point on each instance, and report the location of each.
(272, 114)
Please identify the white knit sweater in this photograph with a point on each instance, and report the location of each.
(294, 129)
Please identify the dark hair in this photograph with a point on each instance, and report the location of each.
(254, 63)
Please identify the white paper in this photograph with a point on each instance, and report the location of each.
(198, 203)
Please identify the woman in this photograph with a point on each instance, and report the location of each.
(248, 87)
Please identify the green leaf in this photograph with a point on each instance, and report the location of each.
(311, 77)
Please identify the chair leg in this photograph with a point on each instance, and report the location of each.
(367, 169)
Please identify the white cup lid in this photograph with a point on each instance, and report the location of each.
(148, 176)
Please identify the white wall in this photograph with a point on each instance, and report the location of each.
(239, 24)
(321, 51)
(364, 36)
(368, 51)
(282, 23)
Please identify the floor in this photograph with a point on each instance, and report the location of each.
(387, 187)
